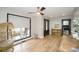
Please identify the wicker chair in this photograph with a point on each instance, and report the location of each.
(5, 45)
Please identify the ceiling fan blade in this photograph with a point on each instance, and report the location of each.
(42, 13)
(43, 8)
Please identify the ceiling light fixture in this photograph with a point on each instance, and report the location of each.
(38, 13)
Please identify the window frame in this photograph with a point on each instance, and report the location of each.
(8, 14)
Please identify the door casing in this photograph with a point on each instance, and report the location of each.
(46, 30)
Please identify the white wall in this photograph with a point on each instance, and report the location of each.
(36, 20)
(37, 26)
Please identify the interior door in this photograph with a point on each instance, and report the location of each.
(46, 27)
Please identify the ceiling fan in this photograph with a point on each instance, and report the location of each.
(38, 11)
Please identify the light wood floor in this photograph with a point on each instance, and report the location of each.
(48, 44)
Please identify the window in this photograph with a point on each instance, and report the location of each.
(19, 27)
(65, 22)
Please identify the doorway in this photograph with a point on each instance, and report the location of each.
(46, 27)
(66, 26)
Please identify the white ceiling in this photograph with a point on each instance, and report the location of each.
(59, 11)
(49, 11)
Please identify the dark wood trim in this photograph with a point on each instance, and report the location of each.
(48, 22)
(18, 16)
(45, 27)
(7, 27)
(22, 38)
(68, 26)
(30, 27)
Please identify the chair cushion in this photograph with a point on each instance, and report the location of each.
(5, 43)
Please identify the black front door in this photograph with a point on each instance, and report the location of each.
(46, 27)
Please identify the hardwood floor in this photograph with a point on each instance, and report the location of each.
(48, 44)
